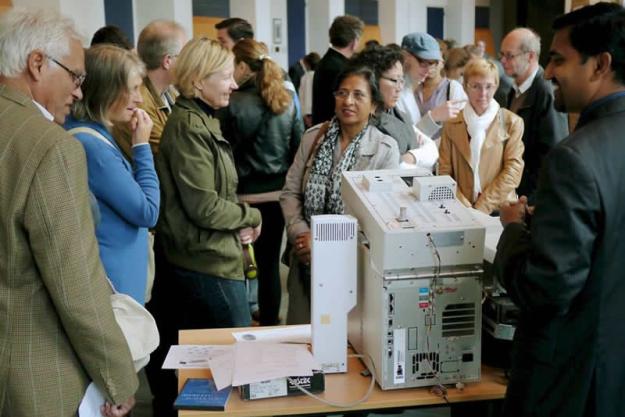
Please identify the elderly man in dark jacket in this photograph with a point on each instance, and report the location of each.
(565, 271)
(531, 97)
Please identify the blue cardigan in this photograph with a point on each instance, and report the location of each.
(128, 201)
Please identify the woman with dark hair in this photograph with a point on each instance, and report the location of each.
(387, 62)
(262, 125)
(127, 194)
(348, 142)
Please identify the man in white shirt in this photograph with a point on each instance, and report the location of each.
(531, 98)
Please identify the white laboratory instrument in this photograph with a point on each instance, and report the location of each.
(333, 287)
(420, 253)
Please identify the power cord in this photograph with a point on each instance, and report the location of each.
(338, 404)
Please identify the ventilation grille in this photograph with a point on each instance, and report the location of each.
(429, 363)
(459, 320)
(335, 231)
(441, 193)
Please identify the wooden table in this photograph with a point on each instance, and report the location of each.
(338, 387)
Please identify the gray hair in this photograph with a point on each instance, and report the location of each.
(157, 39)
(23, 31)
(530, 40)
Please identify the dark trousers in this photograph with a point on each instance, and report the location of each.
(267, 250)
(183, 299)
(163, 382)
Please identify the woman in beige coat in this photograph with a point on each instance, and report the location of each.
(481, 148)
(348, 142)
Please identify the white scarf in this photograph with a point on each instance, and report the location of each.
(477, 127)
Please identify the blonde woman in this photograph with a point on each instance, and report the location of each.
(481, 148)
(263, 127)
(127, 195)
(202, 221)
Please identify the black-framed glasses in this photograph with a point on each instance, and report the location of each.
(425, 63)
(508, 56)
(78, 79)
(399, 82)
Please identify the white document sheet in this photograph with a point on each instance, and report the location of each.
(91, 402)
(290, 334)
(261, 361)
(221, 364)
(191, 356)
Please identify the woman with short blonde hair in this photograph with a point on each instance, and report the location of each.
(203, 224)
(479, 67)
(481, 148)
(197, 60)
(128, 195)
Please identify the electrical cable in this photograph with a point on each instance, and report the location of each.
(338, 404)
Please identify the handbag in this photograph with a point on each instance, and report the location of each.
(137, 325)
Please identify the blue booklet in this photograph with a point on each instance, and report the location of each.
(201, 394)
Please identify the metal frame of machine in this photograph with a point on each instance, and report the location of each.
(420, 253)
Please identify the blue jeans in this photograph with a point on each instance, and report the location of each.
(205, 301)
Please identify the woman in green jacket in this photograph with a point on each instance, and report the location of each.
(202, 224)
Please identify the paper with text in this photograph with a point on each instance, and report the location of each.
(261, 361)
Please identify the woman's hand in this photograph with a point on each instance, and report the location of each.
(140, 126)
(117, 410)
(249, 234)
(302, 248)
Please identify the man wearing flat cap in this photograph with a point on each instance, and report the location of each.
(421, 54)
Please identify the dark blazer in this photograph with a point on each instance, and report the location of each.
(296, 72)
(566, 275)
(327, 72)
(544, 127)
(57, 329)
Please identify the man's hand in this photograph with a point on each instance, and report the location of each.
(447, 110)
(302, 248)
(117, 410)
(408, 158)
(514, 212)
(141, 127)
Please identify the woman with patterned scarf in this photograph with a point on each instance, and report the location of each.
(348, 142)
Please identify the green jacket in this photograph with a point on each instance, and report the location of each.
(200, 213)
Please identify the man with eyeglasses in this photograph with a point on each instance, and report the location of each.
(531, 98)
(57, 329)
(422, 55)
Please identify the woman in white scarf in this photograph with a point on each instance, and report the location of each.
(481, 148)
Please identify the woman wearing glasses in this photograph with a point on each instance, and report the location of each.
(348, 142)
(128, 195)
(481, 148)
(386, 61)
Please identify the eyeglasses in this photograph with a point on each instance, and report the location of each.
(399, 82)
(482, 87)
(358, 95)
(78, 79)
(423, 63)
(508, 56)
